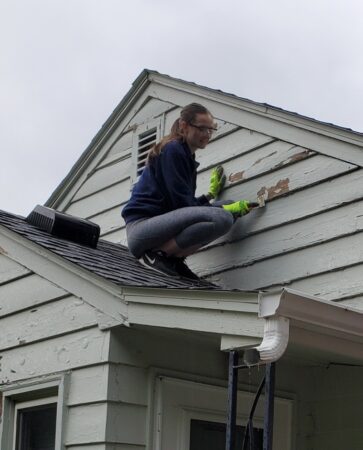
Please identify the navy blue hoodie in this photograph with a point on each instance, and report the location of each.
(167, 183)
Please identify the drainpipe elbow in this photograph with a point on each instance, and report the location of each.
(274, 342)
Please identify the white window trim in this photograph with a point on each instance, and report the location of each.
(30, 404)
(178, 401)
(37, 392)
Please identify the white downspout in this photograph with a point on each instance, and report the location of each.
(274, 342)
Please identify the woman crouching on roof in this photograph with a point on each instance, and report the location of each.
(165, 222)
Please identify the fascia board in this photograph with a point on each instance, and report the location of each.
(241, 301)
(217, 312)
(328, 140)
(206, 320)
(97, 292)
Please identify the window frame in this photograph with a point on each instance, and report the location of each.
(19, 406)
(34, 393)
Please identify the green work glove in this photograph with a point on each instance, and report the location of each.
(217, 181)
(239, 208)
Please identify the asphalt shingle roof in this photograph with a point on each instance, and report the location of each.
(110, 261)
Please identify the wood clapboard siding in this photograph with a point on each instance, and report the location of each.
(107, 175)
(231, 146)
(348, 288)
(302, 253)
(126, 424)
(78, 349)
(46, 321)
(86, 424)
(110, 222)
(106, 422)
(112, 159)
(283, 269)
(108, 198)
(10, 270)
(279, 182)
(118, 236)
(267, 159)
(122, 145)
(152, 109)
(246, 250)
(117, 390)
(109, 382)
(89, 385)
(305, 203)
(27, 292)
(128, 384)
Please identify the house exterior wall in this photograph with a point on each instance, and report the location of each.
(300, 239)
(326, 400)
(109, 402)
(308, 237)
(45, 332)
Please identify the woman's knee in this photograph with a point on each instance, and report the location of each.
(224, 221)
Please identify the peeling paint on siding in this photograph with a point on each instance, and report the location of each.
(280, 188)
(237, 176)
(295, 158)
(265, 157)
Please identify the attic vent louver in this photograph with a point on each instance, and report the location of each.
(65, 226)
(145, 142)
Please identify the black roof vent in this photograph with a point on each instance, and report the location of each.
(65, 226)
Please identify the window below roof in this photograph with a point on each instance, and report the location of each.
(35, 424)
(32, 414)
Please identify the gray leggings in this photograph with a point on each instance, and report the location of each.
(190, 226)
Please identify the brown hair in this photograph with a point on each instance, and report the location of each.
(188, 114)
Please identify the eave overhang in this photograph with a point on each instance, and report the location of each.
(219, 312)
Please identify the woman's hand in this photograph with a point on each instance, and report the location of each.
(217, 181)
(240, 208)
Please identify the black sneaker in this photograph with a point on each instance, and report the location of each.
(184, 270)
(160, 263)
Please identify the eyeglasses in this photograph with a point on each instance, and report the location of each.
(204, 129)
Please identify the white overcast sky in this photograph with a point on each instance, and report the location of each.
(66, 64)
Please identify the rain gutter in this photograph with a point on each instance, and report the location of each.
(283, 311)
